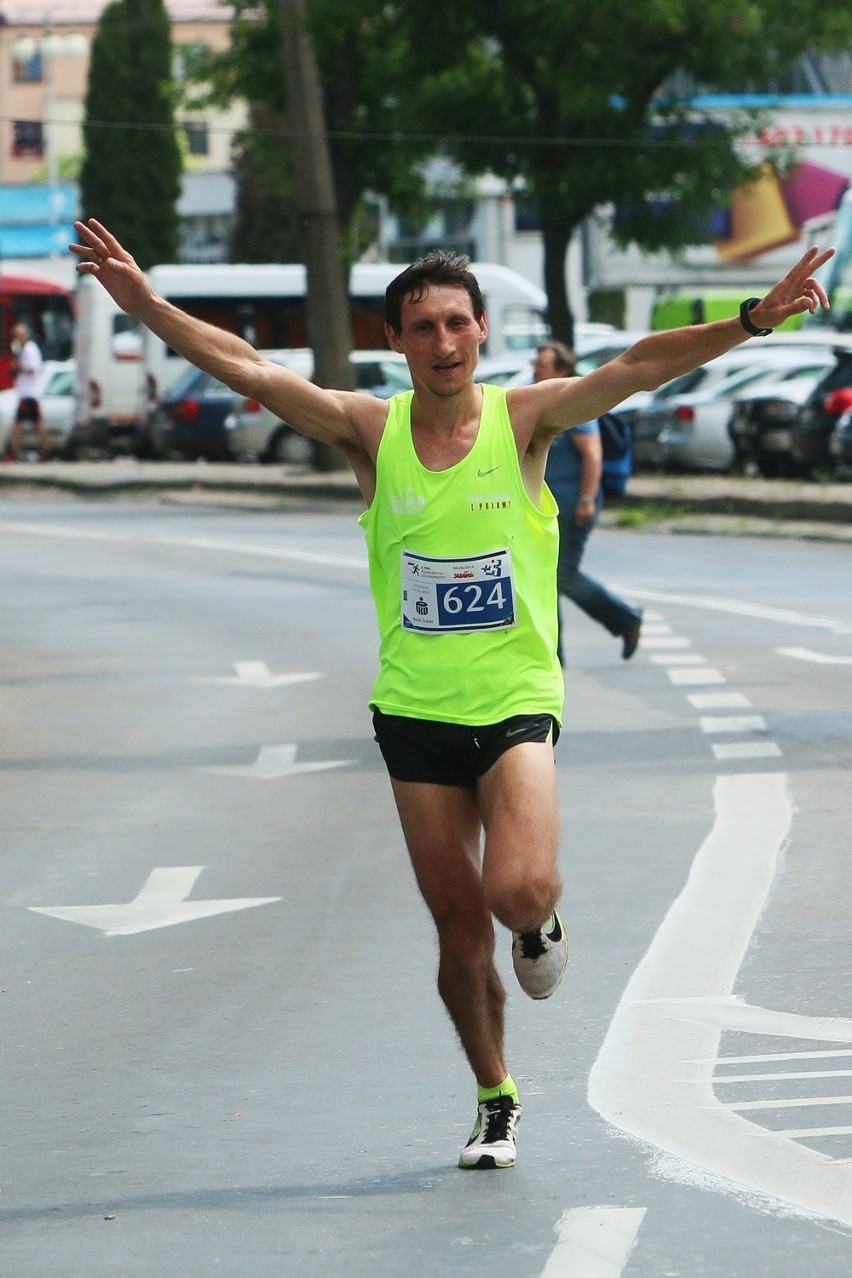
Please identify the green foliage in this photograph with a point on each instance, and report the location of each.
(265, 226)
(363, 65)
(130, 177)
(583, 105)
(580, 102)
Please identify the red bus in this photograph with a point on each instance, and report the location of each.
(48, 310)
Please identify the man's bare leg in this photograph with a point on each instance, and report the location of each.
(442, 829)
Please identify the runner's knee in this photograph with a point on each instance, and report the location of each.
(523, 899)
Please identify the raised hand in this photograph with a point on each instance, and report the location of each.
(798, 291)
(102, 255)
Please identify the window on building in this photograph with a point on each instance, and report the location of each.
(28, 139)
(197, 137)
(527, 216)
(28, 70)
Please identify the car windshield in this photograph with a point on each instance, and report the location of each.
(60, 383)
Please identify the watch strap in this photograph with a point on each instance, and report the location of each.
(745, 318)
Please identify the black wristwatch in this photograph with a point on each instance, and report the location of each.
(745, 318)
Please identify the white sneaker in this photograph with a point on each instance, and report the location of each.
(540, 958)
(492, 1141)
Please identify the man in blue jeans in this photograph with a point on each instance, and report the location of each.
(573, 475)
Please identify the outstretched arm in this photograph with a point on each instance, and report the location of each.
(560, 403)
(350, 422)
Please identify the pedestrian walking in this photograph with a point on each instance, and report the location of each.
(573, 474)
(29, 376)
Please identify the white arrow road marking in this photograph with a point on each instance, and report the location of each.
(256, 674)
(274, 761)
(161, 903)
(808, 654)
(594, 1242)
(666, 1019)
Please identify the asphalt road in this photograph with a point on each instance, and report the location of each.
(222, 1050)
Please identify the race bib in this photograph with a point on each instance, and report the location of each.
(440, 596)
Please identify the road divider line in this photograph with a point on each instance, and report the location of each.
(700, 675)
(594, 1242)
(746, 750)
(680, 998)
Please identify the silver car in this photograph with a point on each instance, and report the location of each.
(256, 434)
(696, 430)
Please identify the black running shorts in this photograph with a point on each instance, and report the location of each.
(452, 753)
(28, 410)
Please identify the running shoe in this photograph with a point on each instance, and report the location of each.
(540, 958)
(492, 1141)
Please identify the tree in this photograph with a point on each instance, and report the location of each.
(130, 178)
(362, 63)
(575, 103)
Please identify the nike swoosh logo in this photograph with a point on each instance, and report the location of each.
(483, 473)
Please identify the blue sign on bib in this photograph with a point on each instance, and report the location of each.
(440, 596)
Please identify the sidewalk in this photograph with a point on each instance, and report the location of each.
(679, 503)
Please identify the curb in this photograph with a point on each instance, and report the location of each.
(653, 500)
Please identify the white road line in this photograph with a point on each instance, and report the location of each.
(773, 1078)
(656, 628)
(189, 543)
(738, 608)
(594, 1242)
(801, 1133)
(701, 675)
(747, 750)
(733, 723)
(717, 700)
(664, 641)
(777, 1056)
(692, 963)
(792, 1102)
(821, 658)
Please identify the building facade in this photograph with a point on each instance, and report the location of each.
(44, 63)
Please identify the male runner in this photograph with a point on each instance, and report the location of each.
(461, 533)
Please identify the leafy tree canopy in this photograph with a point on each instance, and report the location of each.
(130, 177)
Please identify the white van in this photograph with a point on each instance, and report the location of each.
(108, 382)
(265, 304)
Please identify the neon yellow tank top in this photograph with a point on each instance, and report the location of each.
(463, 574)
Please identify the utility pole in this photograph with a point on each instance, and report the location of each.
(327, 291)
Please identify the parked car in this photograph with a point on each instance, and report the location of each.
(189, 421)
(57, 409)
(694, 432)
(840, 446)
(812, 428)
(649, 417)
(256, 434)
(761, 425)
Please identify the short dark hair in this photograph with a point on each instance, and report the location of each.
(563, 357)
(436, 267)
